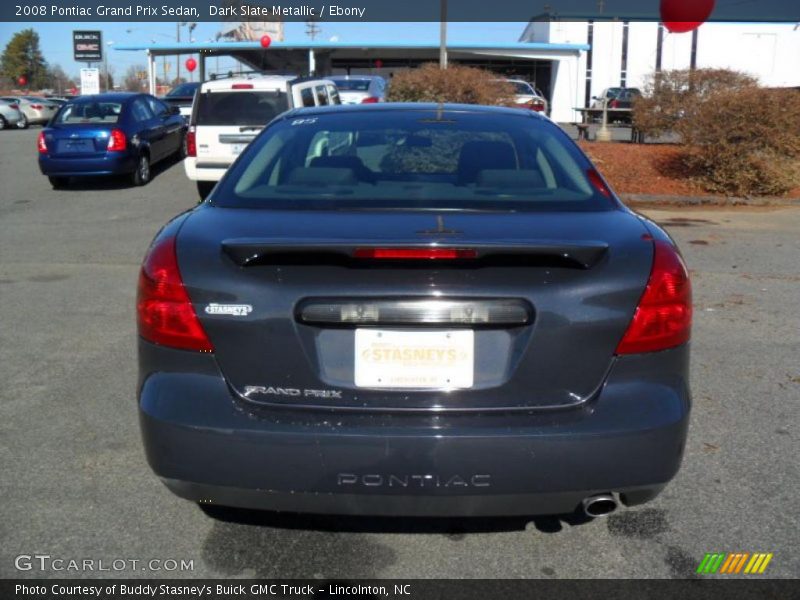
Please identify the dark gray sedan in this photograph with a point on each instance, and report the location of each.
(403, 309)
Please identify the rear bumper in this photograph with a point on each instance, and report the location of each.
(109, 164)
(198, 172)
(12, 118)
(207, 448)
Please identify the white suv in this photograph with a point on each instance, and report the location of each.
(229, 113)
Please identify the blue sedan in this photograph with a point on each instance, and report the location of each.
(110, 134)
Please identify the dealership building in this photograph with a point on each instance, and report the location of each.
(569, 61)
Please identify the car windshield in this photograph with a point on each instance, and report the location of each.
(352, 85)
(184, 89)
(89, 112)
(240, 107)
(411, 158)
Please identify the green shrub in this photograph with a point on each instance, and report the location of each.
(456, 84)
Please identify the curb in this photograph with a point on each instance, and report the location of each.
(652, 200)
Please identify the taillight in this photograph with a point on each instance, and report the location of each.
(37, 106)
(14, 106)
(116, 141)
(191, 142)
(613, 104)
(415, 253)
(536, 105)
(370, 100)
(663, 318)
(598, 183)
(41, 143)
(165, 314)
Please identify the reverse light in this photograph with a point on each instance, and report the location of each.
(117, 141)
(191, 141)
(164, 311)
(41, 143)
(370, 100)
(663, 318)
(416, 253)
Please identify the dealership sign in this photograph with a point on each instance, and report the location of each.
(87, 46)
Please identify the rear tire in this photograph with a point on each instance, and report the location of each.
(182, 153)
(141, 176)
(204, 188)
(2, 123)
(59, 183)
(23, 123)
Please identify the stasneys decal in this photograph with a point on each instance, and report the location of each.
(233, 310)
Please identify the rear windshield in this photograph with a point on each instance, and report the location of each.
(522, 88)
(89, 112)
(414, 158)
(183, 90)
(240, 107)
(352, 85)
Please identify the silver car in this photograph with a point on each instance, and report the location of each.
(10, 114)
(35, 110)
(360, 89)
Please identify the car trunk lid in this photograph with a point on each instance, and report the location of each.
(78, 140)
(536, 304)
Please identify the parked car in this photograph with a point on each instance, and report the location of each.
(360, 89)
(110, 134)
(229, 113)
(182, 96)
(526, 96)
(57, 100)
(10, 114)
(617, 98)
(414, 309)
(35, 110)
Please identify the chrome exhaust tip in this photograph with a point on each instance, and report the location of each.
(600, 505)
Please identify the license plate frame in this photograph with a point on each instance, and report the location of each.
(426, 360)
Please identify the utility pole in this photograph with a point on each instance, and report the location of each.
(178, 56)
(443, 35)
(312, 29)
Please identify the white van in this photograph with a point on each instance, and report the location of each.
(229, 113)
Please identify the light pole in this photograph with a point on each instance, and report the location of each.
(443, 34)
(604, 133)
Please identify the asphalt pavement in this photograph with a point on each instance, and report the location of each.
(74, 483)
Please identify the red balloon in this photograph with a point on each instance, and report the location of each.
(22, 80)
(681, 16)
(378, 63)
(191, 64)
(265, 41)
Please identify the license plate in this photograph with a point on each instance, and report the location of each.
(414, 359)
(236, 149)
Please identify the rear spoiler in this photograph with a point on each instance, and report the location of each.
(247, 252)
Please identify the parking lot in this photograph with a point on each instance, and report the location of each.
(76, 485)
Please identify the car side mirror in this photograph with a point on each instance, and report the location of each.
(174, 110)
